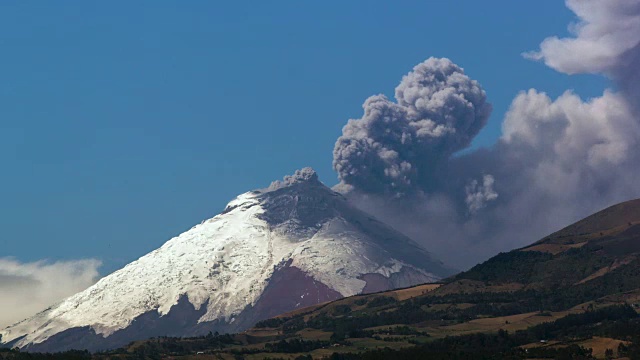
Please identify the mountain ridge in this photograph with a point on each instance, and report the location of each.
(611, 220)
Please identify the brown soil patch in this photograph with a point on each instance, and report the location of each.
(599, 345)
(404, 294)
(554, 248)
(616, 264)
(314, 334)
(509, 323)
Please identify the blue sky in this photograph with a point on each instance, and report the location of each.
(124, 123)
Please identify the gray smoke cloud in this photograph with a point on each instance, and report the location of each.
(397, 145)
(28, 288)
(302, 175)
(557, 160)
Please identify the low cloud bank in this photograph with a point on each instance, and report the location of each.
(27, 288)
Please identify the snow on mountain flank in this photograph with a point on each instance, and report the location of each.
(223, 265)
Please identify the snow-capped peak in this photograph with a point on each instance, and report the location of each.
(296, 229)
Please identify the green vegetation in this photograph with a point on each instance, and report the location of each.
(295, 346)
(381, 301)
(14, 354)
(534, 267)
(162, 347)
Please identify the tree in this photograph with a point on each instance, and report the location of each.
(608, 354)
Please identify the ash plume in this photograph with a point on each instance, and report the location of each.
(557, 160)
(397, 145)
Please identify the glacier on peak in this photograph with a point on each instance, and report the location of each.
(293, 244)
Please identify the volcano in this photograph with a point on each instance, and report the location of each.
(294, 244)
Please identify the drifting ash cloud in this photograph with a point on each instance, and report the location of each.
(397, 148)
(27, 288)
(556, 161)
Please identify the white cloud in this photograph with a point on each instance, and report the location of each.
(478, 194)
(605, 32)
(570, 132)
(27, 288)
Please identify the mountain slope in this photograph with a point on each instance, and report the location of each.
(616, 228)
(294, 244)
(583, 252)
